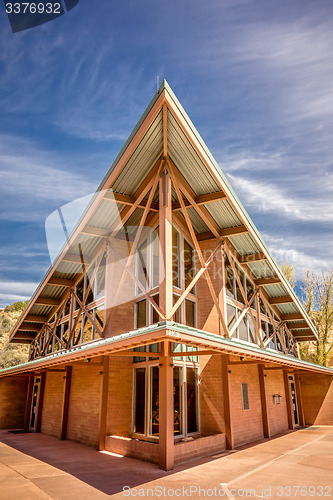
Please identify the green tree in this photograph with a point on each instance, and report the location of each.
(11, 354)
(317, 300)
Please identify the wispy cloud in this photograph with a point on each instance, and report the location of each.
(33, 180)
(12, 291)
(266, 197)
(300, 251)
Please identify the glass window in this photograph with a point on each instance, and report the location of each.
(99, 288)
(231, 315)
(141, 315)
(177, 400)
(154, 388)
(262, 307)
(229, 278)
(139, 398)
(155, 315)
(185, 404)
(155, 258)
(272, 344)
(190, 312)
(175, 258)
(188, 263)
(142, 265)
(250, 292)
(245, 397)
(239, 295)
(79, 292)
(192, 406)
(177, 317)
(252, 333)
(242, 329)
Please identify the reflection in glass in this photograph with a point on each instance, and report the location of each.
(188, 263)
(154, 388)
(140, 397)
(191, 392)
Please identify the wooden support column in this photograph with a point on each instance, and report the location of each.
(28, 402)
(229, 438)
(40, 401)
(65, 408)
(263, 397)
(221, 285)
(104, 403)
(165, 234)
(299, 400)
(288, 399)
(166, 412)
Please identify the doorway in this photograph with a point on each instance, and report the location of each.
(293, 400)
(34, 404)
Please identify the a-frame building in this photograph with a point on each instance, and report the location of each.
(164, 330)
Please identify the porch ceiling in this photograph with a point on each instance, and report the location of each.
(205, 341)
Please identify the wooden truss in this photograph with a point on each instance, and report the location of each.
(163, 176)
(47, 338)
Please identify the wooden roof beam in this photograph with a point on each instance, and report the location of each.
(45, 301)
(33, 318)
(21, 341)
(234, 231)
(281, 300)
(290, 317)
(60, 282)
(267, 281)
(76, 259)
(96, 231)
(302, 333)
(25, 335)
(252, 257)
(201, 200)
(28, 328)
(300, 325)
(128, 200)
(230, 231)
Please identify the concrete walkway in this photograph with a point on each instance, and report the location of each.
(35, 466)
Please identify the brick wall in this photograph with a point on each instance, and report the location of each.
(119, 415)
(277, 414)
(207, 316)
(211, 397)
(84, 404)
(317, 397)
(247, 424)
(13, 394)
(119, 305)
(184, 451)
(53, 403)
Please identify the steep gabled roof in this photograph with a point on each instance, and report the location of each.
(138, 159)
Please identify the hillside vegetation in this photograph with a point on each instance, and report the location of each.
(11, 354)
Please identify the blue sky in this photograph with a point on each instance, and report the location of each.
(255, 78)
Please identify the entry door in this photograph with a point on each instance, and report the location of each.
(34, 404)
(294, 401)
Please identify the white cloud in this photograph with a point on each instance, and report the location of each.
(298, 252)
(266, 197)
(33, 180)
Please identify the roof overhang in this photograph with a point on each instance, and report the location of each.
(137, 160)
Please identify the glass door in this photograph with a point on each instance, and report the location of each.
(34, 404)
(294, 401)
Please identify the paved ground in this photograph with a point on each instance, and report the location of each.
(34, 466)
